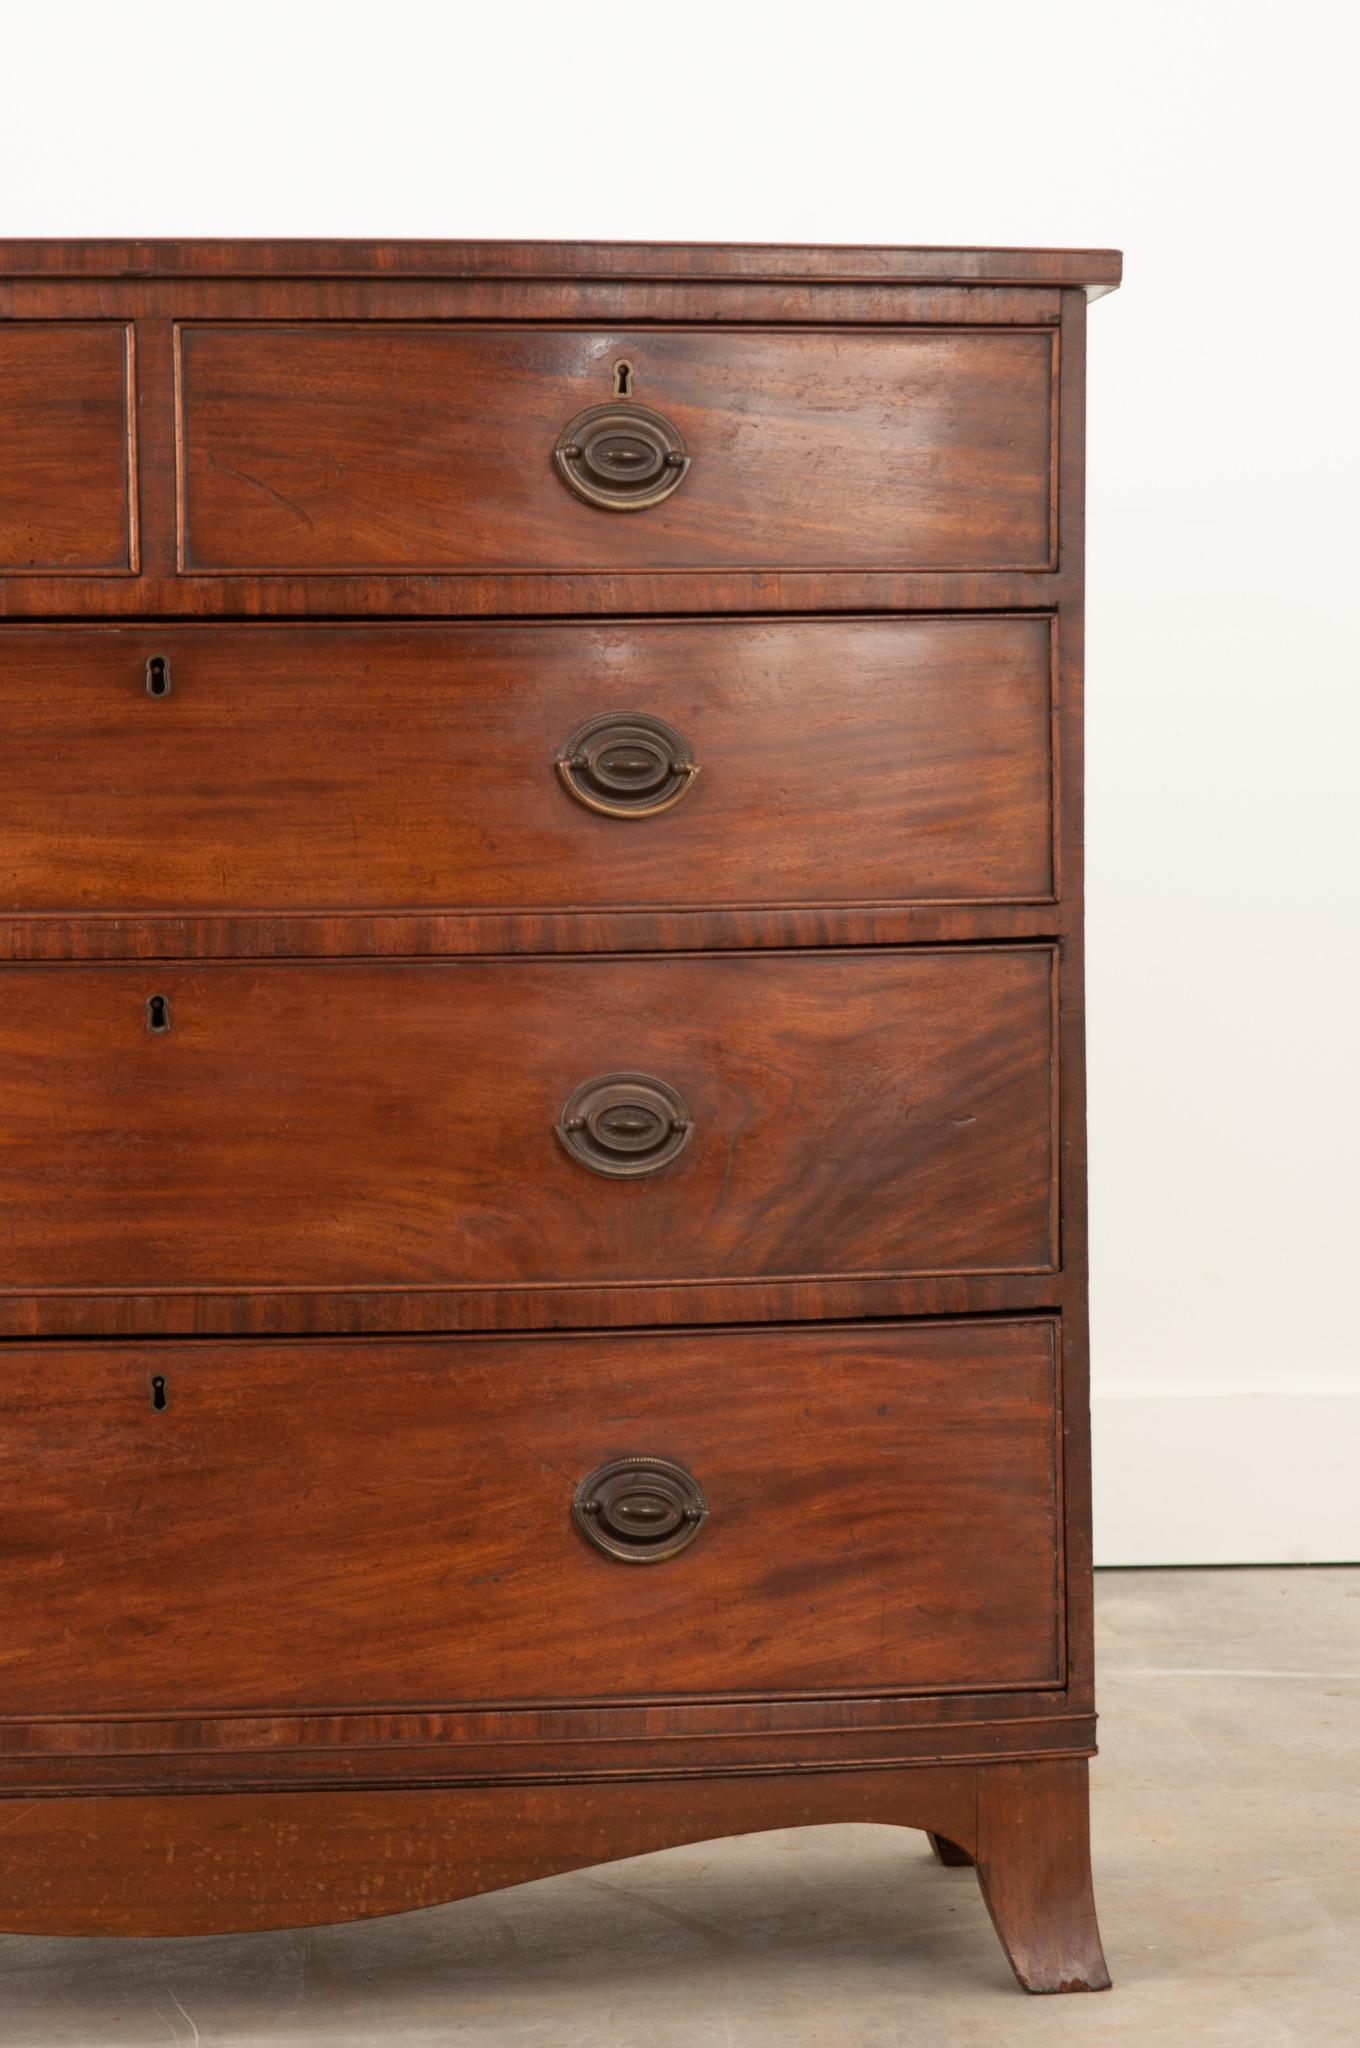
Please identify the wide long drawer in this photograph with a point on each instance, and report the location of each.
(335, 448)
(720, 764)
(527, 1122)
(200, 1526)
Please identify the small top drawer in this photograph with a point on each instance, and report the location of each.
(67, 448)
(345, 448)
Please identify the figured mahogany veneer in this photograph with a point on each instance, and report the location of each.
(67, 450)
(884, 1505)
(390, 769)
(341, 449)
(324, 1126)
(295, 1859)
(541, 1122)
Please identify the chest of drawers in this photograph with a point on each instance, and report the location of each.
(542, 1158)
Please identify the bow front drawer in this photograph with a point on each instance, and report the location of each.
(719, 764)
(328, 448)
(334, 1526)
(527, 1122)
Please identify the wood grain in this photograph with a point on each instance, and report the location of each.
(336, 1527)
(438, 1750)
(200, 1866)
(65, 479)
(1033, 1857)
(341, 448)
(410, 770)
(327, 1126)
(565, 1305)
(787, 263)
(1072, 1015)
(405, 935)
(864, 608)
(191, 1865)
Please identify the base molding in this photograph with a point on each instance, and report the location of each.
(211, 1863)
(354, 1754)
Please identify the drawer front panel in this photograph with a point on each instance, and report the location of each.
(334, 448)
(348, 1126)
(65, 448)
(388, 1524)
(392, 768)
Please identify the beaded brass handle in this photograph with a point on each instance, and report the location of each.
(621, 457)
(626, 765)
(640, 1510)
(625, 1125)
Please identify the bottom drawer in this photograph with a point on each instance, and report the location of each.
(349, 1524)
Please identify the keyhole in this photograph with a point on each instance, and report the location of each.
(159, 1397)
(158, 676)
(158, 1013)
(623, 378)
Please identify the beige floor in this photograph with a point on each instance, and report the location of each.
(1227, 1830)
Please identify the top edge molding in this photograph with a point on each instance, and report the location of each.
(1097, 271)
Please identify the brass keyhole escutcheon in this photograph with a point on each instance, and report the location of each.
(625, 764)
(640, 1510)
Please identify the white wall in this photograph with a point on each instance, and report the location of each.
(1207, 141)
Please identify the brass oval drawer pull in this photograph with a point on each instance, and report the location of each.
(640, 1509)
(625, 1125)
(621, 457)
(626, 765)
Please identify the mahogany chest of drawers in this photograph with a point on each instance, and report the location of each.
(541, 1163)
